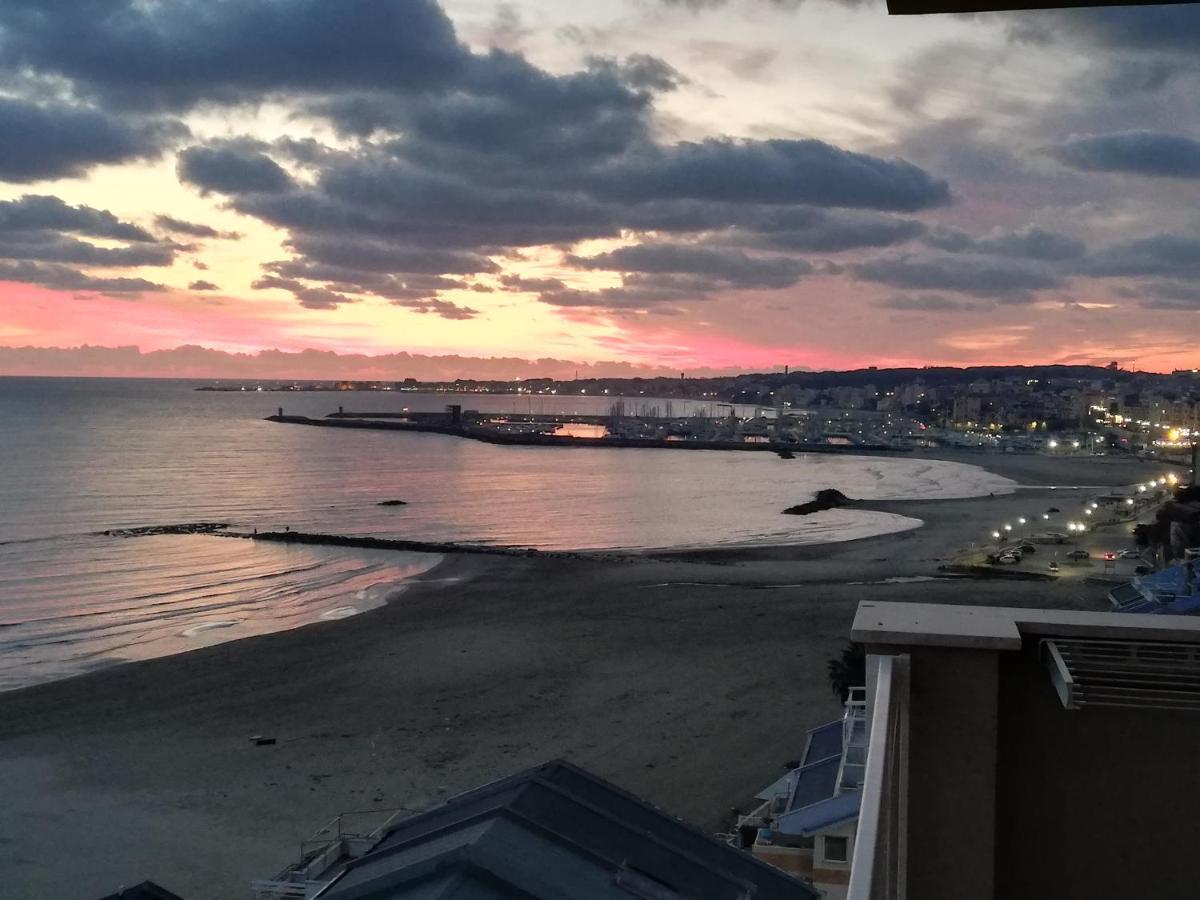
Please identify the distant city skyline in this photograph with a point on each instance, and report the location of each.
(649, 186)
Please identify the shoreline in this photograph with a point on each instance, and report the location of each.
(687, 680)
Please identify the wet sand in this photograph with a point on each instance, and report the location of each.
(689, 679)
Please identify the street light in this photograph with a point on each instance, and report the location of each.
(1045, 515)
(996, 535)
(1021, 520)
(1008, 528)
(1053, 444)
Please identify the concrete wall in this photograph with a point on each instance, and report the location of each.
(1093, 802)
(952, 773)
(1011, 796)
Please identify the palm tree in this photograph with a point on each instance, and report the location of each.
(848, 670)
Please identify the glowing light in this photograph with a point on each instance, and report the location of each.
(1053, 444)
(1045, 515)
(1008, 528)
(1021, 520)
(996, 535)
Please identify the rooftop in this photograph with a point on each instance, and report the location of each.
(551, 831)
(1002, 628)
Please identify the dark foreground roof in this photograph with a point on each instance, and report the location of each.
(556, 831)
(147, 890)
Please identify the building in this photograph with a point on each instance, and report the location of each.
(1018, 753)
(147, 890)
(554, 831)
(1174, 590)
(807, 820)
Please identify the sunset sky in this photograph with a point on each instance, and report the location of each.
(681, 184)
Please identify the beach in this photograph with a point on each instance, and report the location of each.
(686, 677)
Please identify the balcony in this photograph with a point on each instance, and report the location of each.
(878, 867)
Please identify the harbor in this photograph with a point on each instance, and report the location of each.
(783, 433)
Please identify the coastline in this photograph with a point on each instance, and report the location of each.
(684, 677)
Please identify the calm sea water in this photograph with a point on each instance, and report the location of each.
(78, 456)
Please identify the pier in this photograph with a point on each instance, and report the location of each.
(544, 430)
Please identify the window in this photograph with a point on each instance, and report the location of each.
(836, 849)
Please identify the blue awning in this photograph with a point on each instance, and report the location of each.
(820, 816)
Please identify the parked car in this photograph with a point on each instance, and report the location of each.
(1006, 559)
(1129, 554)
(1053, 567)
(1053, 509)
(1027, 548)
(1079, 554)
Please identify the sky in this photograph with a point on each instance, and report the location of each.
(384, 188)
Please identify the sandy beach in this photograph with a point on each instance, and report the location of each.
(688, 678)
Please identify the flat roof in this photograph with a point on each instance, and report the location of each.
(1002, 627)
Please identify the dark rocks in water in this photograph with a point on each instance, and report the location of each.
(186, 528)
(829, 498)
(392, 503)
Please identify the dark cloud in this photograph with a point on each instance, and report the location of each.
(202, 286)
(929, 303)
(40, 243)
(734, 268)
(1029, 242)
(834, 232)
(39, 212)
(532, 285)
(192, 229)
(46, 247)
(1170, 295)
(233, 167)
(376, 256)
(444, 308)
(1165, 255)
(450, 157)
(978, 276)
(46, 141)
(51, 275)
(306, 295)
(1135, 153)
(174, 55)
(770, 172)
(1163, 29)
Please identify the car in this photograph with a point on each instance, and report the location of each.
(1027, 548)
(1129, 554)
(1006, 559)
(1053, 567)
(1053, 509)
(1079, 554)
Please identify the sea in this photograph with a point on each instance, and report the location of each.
(79, 457)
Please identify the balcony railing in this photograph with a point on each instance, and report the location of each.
(878, 870)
